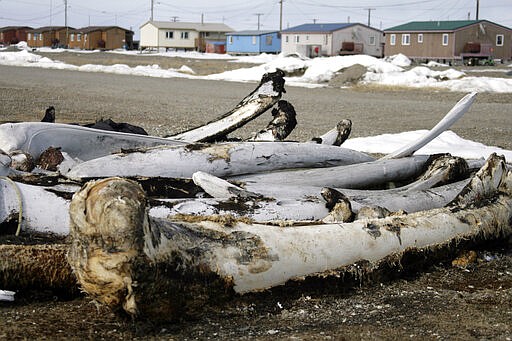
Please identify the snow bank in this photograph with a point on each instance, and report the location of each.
(447, 142)
(303, 72)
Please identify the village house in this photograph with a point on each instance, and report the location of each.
(181, 35)
(447, 41)
(332, 39)
(101, 37)
(253, 42)
(13, 34)
(48, 36)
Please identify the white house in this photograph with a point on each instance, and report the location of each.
(181, 35)
(332, 39)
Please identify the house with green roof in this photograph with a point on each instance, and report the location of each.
(449, 41)
(332, 39)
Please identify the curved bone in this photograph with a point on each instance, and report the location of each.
(361, 175)
(448, 120)
(79, 142)
(220, 159)
(336, 136)
(283, 122)
(260, 100)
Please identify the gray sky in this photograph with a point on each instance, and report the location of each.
(244, 15)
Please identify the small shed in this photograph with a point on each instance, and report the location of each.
(13, 34)
(253, 42)
(215, 47)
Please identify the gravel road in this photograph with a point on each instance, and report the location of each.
(436, 302)
(165, 106)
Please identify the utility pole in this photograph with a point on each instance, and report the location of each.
(66, 20)
(152, 7)
(477, 8)
(369, 11)
(281, 15)
(259, 15)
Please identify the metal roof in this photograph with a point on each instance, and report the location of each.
(435, 25)
(319, 27)
(11, 28)
(200, 27)
(250, 33)
(50, 28)
(89, 29)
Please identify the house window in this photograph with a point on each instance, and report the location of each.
(372, 40)
(297, 39)
(326, 39)
(445, 39)
(78, 37)
(254, 40)
(392, 39)
(420, 38)
(286, 39)
(29, 36)
(169, 35)
(268, 40)
(406, 39)
(41, 36)
(72, 37)
(499, 39)
(230, 40)
(184, 35)
(307, 37)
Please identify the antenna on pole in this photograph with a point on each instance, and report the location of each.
(369, 12)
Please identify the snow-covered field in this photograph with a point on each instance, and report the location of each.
(393, 71)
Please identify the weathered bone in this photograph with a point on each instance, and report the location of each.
(336, 136)
(361, 175)
(125, 260)
(220, 159)
(448, 120)
(260, 100)
(79, 142)
(283, 122)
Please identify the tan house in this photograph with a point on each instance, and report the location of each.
(13, 34)
(48, 36)
(100, 37)
(181, 35)
(332, 39)
(459, 40)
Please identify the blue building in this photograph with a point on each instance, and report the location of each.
(253, 42)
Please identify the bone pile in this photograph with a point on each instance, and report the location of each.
(237, 216)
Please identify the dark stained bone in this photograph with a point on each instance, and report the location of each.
(260, 100)
(152, 268)
(283, 122)
(336, 136)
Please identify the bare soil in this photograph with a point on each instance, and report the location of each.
(424, 297)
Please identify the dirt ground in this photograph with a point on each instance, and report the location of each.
(424, 297)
